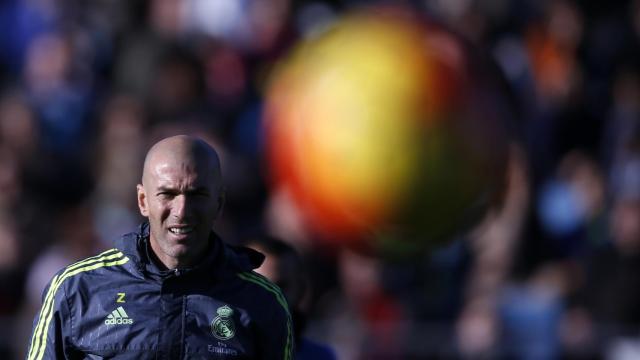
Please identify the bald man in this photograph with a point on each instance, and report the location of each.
(172, 289)
(181, 195)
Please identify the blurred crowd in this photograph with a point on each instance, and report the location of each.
(87, 86)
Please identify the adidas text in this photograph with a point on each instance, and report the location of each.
(118, 321)
(118, 317)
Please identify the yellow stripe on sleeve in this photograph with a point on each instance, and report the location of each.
(38, 345)
(47, 298)
(264, 283)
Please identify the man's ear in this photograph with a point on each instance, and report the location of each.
(142, 201)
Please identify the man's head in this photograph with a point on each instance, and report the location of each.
(181, 195)
(284, 267)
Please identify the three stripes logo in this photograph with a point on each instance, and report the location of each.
(118, 317)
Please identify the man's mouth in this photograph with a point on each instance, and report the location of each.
(182, 230)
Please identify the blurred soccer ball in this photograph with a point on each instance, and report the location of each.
(389, 132)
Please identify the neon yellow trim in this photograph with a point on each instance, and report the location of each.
(266, 284)
(38, 328)
(37, 351)
(82, 269)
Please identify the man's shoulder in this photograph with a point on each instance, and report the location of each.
(240, 262)
(77, 276)
(263, 291)
(109, 259)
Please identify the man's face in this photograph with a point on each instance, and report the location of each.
(181, 197)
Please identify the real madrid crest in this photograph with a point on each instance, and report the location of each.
(222, 326)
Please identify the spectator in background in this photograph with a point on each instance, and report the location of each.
(494, 243)
(60, 92)
(18, 128)
(606, 312)
(119, 155)
(285, 268)
(360, 318)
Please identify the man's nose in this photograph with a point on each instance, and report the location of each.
(181, 207)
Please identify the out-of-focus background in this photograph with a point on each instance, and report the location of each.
(87, 86)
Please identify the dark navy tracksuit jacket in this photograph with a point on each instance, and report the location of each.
(118, 304)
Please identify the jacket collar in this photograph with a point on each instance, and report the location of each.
(219, 259)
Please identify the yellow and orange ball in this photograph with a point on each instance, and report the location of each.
(387, 132)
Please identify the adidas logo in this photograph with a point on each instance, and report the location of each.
(118, 317)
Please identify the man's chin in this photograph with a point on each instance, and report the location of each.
(180, 250)
(184, 252)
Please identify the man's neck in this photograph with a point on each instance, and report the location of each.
(165, 262)
(162, 264)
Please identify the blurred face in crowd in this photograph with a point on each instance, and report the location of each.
(626, 226)
(181, 195)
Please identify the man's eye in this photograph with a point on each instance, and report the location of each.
(199, 194)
